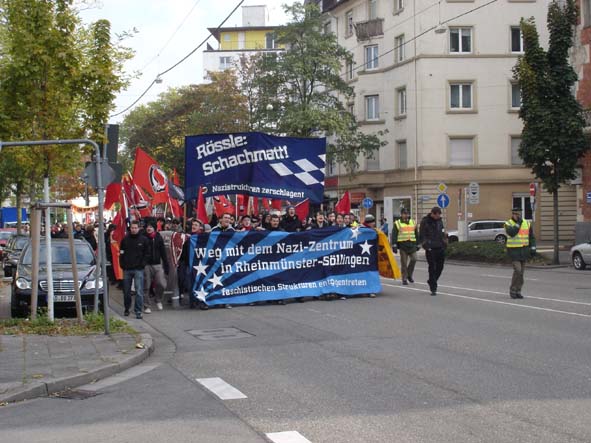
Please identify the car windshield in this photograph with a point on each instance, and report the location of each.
(60, 255)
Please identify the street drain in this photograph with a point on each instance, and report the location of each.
(219, 334)
(74, 394)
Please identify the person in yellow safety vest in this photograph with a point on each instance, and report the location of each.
(404, 238)
(521, 243)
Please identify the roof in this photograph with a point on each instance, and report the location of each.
(217, 31)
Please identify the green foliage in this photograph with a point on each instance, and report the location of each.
(306, 91)
(552, 138)
(480, 251)
(160, 127)
(92, 324)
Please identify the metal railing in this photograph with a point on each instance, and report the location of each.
(368, 29)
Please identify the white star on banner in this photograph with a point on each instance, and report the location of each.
(201, 294)
(200, 268)
(216, 280)
(355, 233)
(365, 247)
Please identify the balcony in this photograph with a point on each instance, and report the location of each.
(368, 29)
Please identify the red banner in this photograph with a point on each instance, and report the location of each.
(149, 176)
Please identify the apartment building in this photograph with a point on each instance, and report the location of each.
(254, 36)
(438, 76)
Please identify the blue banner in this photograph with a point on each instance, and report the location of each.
(257, 164)
(246, 267)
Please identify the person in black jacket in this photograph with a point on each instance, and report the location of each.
(433, 238)
(133, 251)
(156, 269)
(290, 221)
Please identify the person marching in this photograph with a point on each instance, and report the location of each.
(520, 244)
(404, 238)
(434, 241)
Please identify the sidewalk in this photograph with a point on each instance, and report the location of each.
(39, 365)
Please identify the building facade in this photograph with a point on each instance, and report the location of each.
(253, 37)
(437, 75)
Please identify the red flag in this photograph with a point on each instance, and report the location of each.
(136, 199)
(343, 206)
(200, 207)
(302, 209)
(276, 204)
(222, 205)
(242, 204)
(113, 195)
(148, 175)
(266, 203)
(253, 205)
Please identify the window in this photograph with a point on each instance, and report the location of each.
(401, 102)
(351, 109)
(225, 62)
(227, 37)
(349, 24)
(460, 96)
(460, 40)
(349, 70)
(586, 12)
(326, 28)
(372, 107)
(516, 39)
(461, 152)
(399, 48)
(331, 167)
(515, 158)
(398, 6)
(523, 202)
(515, 96)
(371, 57)
(373, 163)
(270, 40)
(402, 155)
(372, 9)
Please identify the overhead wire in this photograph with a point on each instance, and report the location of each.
(159, 75)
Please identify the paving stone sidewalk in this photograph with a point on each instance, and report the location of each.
(39, 365)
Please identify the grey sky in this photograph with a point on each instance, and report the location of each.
(167, 31)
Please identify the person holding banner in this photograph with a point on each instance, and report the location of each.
(404, 238)
(290, 222)
(225, 224)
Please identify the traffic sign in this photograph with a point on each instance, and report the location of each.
(443, 201)
(588, 197)
(473, 193)
(532, 189)
(367, 203)
(424, 198)
(442, 187)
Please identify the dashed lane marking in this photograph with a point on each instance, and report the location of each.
(517, 305)
(287, 437)
(220, 388)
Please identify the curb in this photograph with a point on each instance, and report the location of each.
(41, 389)
(496, 265)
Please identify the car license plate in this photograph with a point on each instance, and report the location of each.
(63, 297)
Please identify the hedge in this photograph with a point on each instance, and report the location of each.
(482, 251)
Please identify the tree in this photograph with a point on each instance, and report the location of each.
(58, 81)
(303, 93)
(160, 127)
(552, 138)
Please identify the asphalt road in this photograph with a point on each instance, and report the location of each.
(469, 365)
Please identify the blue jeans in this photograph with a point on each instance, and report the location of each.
(137, 275)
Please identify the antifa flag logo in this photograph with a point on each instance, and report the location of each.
(158, 178)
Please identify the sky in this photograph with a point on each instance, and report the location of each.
(168, 30)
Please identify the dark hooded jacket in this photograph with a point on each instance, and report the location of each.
(432, 233)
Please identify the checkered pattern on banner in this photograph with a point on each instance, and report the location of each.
(307, 171)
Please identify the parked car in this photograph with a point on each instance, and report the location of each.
(63, 280)
(12, 253)
(581, 255)
(483, 230)
(5, 234)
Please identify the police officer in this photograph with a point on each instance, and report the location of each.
(404, 238)
(520, 244)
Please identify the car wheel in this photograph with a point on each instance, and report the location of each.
(501, 239)
(452, 239)
(578, 262)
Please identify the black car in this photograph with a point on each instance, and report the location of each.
(63, 281)
(12, 253)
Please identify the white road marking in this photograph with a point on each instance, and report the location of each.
(220, 388)
(287, 437)
(518, 305)
(506, 276)
(118, 378)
